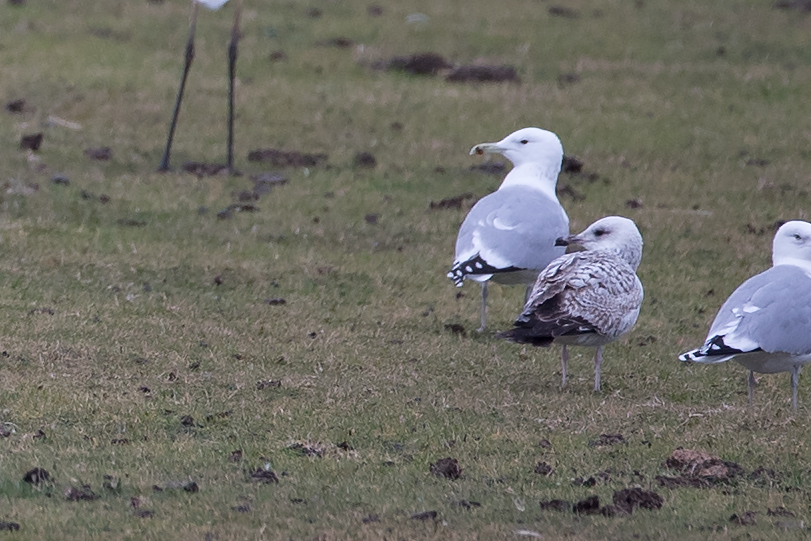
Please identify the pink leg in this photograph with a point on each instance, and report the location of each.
(598, 360)
(564, 364)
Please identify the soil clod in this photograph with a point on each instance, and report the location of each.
(607, 439)
(264, 476)
(556, 505)
(37, 476)
(365, 160)
(31, 142)
(745, 519)
(425, 515)
(588, 506)
(284, 158)
(483, 74)
(452, 202)
(542, 468)
(447, 468)
(83, 493)
(629, 499)
(9, 526)
(99, 153)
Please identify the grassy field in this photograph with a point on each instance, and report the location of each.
(150, 366)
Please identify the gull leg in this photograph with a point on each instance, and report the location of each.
(564, 364)
(484, 307)
(189, 57)
(795, 379)
(752, 384)
(232, 64)
(598, 360)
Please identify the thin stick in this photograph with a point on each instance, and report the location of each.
(189, 57)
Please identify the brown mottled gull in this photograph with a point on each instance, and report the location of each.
(764, 325)
(587, 298)
(509, 235)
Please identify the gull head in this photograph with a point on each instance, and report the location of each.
(792, 244)
(613, 233)
(527, 146)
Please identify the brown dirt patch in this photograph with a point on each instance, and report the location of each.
(483, 74)
(447, 468)
(286, 158)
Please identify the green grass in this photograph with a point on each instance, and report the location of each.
(673, 100)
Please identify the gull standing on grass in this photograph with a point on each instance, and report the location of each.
(189, 57)
(587, 298)
(509, 235)
(765, 324)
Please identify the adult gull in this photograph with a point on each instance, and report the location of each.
(765, 325)
(587, 298)
(509, 235)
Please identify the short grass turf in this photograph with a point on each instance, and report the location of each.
(157, 353)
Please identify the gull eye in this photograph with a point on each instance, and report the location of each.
(797, 236)
(524, 141)
(599, 232)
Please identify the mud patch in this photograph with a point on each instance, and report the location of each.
(589, 506)
(37, 476)
(456, 328)
(447, 468)
(101, 154)
(31, 142)
(83, 493)
(286, 158)
(702, 465)
(426, 63)
(263, 476)
(201, 169)
(542, 468)
(797, 5)
(483, 74)
(364, 160)
(425, 515)
(630, 499)
(16, 106)
(453, 202)
(607, 439)
(744, 519)
(556, 505)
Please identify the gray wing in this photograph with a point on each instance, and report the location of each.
(512, 227)
(584, 292)
(770, 311)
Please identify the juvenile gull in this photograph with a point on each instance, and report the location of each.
(509, 235)
(765, 324)
(587, 298)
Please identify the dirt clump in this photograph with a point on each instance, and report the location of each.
(556, 505)
(630, 499)
(201, 169)
(476, 73)
(607, 439)
(286, 158)
(101, 154)
(588, 506)
(703, 465)
(426, 63)
(31, 142)
(447, 468)
(452, 202)
(264, 476)
(36, 476)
